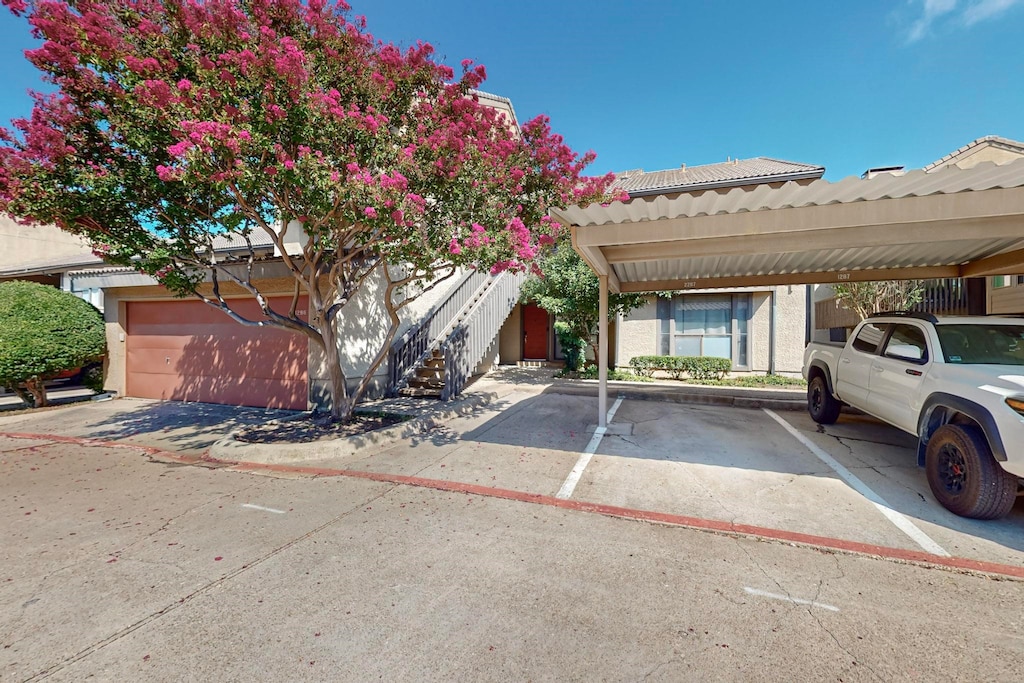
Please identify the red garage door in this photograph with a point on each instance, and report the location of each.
(190, 351)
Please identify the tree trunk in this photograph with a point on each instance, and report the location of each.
(25, 397)
(342, 404)
(38, 391)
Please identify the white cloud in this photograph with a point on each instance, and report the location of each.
(953, 14)
(933, 9)
(980, 10)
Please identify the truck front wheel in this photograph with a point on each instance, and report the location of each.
(821, 404)
(964, 476)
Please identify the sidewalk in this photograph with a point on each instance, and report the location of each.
(491, 387)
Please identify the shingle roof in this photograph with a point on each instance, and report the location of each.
(228, 241)
(710, 176)
(52, 265)
(1006, 143)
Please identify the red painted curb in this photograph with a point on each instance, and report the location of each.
(697, 523)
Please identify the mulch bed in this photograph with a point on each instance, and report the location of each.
(317, 428)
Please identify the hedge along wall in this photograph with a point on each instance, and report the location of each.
(680, 367)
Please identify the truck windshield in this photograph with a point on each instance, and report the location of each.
(982, 344)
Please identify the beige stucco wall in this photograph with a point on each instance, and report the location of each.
(30, 243)
(510, 345)
(638, 333)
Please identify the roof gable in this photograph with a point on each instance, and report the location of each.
(962, 157)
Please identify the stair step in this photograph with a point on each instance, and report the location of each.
(433, 363)
(420, 393)
(436, 373)
(425, 383)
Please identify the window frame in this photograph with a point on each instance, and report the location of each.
(893, 328)
(734, 334)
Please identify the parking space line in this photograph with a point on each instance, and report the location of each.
(786, 598)
(263, 509)
(569, 485)
(901, 522)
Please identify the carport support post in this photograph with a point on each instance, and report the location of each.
(602, 353)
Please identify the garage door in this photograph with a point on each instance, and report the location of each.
(190, 351)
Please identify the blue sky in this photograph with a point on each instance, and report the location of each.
(655, 84)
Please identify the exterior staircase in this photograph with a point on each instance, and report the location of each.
(427, 380)
(436, 358)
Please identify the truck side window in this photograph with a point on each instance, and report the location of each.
(868, 338)
(907, 343)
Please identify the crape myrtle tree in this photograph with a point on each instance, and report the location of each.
(865, 298)
(172, 122)
(566, 286)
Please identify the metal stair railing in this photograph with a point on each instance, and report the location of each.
(412, 348)
(471, 338)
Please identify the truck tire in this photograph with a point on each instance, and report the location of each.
(821, 404)
(964, 476)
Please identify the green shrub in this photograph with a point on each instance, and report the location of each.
(574, 347)
(680, 367)
(92, 377)
(591, 372)
(44, 331)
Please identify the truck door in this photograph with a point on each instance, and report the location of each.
(854, 368)
(897, 374)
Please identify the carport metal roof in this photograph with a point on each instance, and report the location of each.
(948, 223)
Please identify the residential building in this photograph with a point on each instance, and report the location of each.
(761, 329)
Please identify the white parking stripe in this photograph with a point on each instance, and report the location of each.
(795, 601)
(569, 485)
(260, 507)
(902, 523)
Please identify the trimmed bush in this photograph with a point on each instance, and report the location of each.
(680, 367)
(43, 332)
(574, 347)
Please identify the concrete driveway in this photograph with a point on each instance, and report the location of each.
(114, 567)
(856, 481)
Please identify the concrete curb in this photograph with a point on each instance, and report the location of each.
(715, 396)
(231, 450)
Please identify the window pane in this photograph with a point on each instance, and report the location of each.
(718, 321)
(687, 345)
(868, 338)
(664, 325)
(718, 346)
(906, 343)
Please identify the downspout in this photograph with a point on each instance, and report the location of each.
(772, 323)
(809, 321)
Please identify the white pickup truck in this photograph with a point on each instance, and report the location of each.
(955, 383)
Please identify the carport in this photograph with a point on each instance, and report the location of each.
(945, 224)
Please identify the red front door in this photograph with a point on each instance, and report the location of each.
(535, 333)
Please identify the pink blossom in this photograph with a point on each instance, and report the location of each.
(184, 85)
(454, 248)
(370, 212)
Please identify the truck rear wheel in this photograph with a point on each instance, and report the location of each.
(821, 404)
(964, 476)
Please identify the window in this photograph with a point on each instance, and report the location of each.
(999, 281)
(706, 325)
(907, 343)
(992, 344)
(868, 338)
